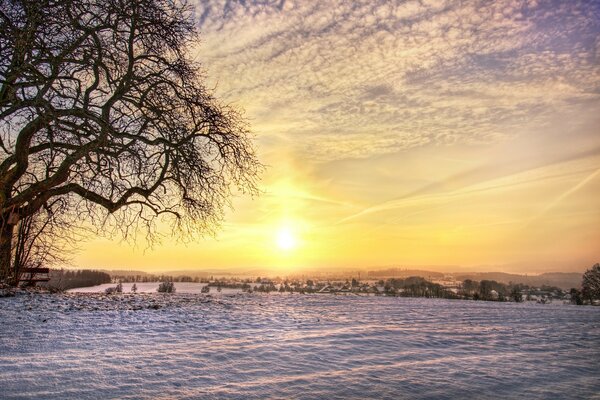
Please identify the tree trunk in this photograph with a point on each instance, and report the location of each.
(6, 236)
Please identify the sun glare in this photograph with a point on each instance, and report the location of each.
(285, 239)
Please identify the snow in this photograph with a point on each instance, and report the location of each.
(150, 287)
(89, 346)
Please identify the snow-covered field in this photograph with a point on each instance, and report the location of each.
(151, 287)
(78, 346)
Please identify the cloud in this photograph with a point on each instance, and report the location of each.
(353, 79)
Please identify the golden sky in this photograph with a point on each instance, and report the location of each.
(455, 135)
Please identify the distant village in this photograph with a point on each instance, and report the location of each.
(447, 286)
(408, 287)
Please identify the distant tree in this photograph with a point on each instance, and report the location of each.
(61, 279)
(42, 239)
(590, 285)
(485, 289)
(469, 287)
(416, 286)
(576, 297)
(114, 289)
(101, 105)
(134, 288)
(166, 287)
(515, 295)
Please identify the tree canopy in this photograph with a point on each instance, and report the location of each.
(101, 105)
(590, 284)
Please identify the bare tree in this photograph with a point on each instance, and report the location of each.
(101, 104)
(590, 285)
(44, 239)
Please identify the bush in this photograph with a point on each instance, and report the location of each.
(166, 287)
(116, 289)
(516, 296)
(576, 297)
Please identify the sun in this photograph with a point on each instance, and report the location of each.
(285, 239)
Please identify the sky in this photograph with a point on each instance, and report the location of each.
(458, 135)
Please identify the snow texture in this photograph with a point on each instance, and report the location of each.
(188, 346)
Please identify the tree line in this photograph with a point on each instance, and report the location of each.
(156, 278)
(416, 286)
(61, 279)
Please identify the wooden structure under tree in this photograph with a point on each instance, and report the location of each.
(32, 275)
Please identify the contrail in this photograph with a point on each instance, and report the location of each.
(560, 198)
(481, 187)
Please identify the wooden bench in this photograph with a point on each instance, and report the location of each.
(35, 275)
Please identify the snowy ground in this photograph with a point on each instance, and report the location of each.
(151, 287)
(79, 346)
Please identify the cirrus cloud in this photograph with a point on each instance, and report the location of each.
(353, 79)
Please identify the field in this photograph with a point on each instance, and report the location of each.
(78, 346)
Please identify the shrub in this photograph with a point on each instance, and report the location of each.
(166, 287)
(515, 295)
(116, 289)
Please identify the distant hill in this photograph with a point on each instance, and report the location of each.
(403, 273)
(188, 272)
(123, 272)
(563, 280)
